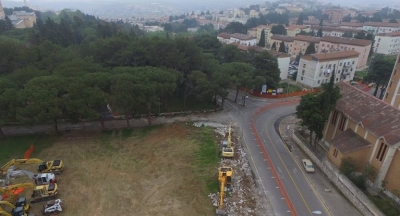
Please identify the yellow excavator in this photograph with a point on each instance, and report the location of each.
(55, 166)
(228, 151)
(225, 179)
(19, 209)
(39, 193)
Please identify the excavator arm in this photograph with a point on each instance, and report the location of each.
(12, 162)
(4, 213)
(7, 204)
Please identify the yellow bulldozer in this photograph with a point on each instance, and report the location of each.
(227, 149)
(225, 179)
(19, 209)
(55, 166)
(40, 193)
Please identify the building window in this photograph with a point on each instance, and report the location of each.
(390, 84)
(334, 117)
(338, 71)
(387, 94)
(301, 78)
(319, 81)
(342, 122)
(337, 79)
(340, 63)
(335, 152)
(353, 62)
(381, 152)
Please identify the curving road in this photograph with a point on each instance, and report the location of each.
(274, 165)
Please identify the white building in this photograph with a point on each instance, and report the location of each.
(388, 43)
(242, 39)
(224, 37)
(316, 69)
(380, 27)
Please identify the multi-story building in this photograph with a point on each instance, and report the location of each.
(387, 43)
(316, 69)
(253, 32)
(242, 39)
(334, 31)
(335, 14)
(277, 39)
(380, 27)
(301, 42)
(293, 30)
(331, 44)
(366, 129)
(267, 33)
(23, 19)
(352, 25)
(392, 95)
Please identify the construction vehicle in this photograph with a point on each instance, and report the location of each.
(19, 209)
(55, 166)
(40, 193)
(40, 179)
(228, 151)
(225, 179)
(52, 207)
(20, 203)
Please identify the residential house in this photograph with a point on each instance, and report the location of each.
(301, 42)
(366, 129)
(335, 14)
(293, 30)
(334, 31)
(330, 44)
(242, 39)
(387, 43)
(224, 37)
(283, 59)
(277, 39)
(254, 14)
(316, 69)
(352, 25)
(380, 27)
(392, 94)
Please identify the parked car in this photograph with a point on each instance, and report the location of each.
(308, 166)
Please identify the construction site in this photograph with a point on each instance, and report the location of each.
(175, 169)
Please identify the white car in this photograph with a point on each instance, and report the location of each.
(308, 166)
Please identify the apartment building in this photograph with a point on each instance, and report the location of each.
(277, 39)
(293, 30)
(267, 32)
(387, 43)
(366, 129)
(316, 69)
(380, 27)
(334, 31)
(335, 14)
(352, 25)
(301, 42)
(392, 95)
(332, 44)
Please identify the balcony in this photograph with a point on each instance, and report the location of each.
(347, 66)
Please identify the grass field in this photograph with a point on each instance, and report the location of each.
(161, 170)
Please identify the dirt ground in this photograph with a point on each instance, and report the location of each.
(146, 173)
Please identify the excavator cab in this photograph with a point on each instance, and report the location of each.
(225, 179)
(18, 211)
(22, 203)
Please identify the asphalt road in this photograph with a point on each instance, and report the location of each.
(301, 194)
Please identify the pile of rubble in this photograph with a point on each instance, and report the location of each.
(242, 196)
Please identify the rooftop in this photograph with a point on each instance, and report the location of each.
(326, 28)
(376, 116)
(352, 24)
(348, 141)
(349, 41)
(382, 24)
(294, 27)
(391, 34)
(242, 36)
(224, 35)
(282, 38)
(332, 55)
(307, 38)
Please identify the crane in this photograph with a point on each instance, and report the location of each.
(225, 179)
(228, 151)
(55, 166)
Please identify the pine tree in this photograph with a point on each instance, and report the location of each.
(282, 47)
(8, 24)
(300, 19)
(262, 39)
(273, 47)
(319, 33)
(310, 48)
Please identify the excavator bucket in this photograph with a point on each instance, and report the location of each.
(220, 212)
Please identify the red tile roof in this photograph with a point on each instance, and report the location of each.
(391, 34)
(378, 117)
(325, 28)
(349, 41)
(382, 24)
(334, 55)
(348, 141)
(307, 38)
(352, 24)
(242, 36)
(224, 35)
(282, 38)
